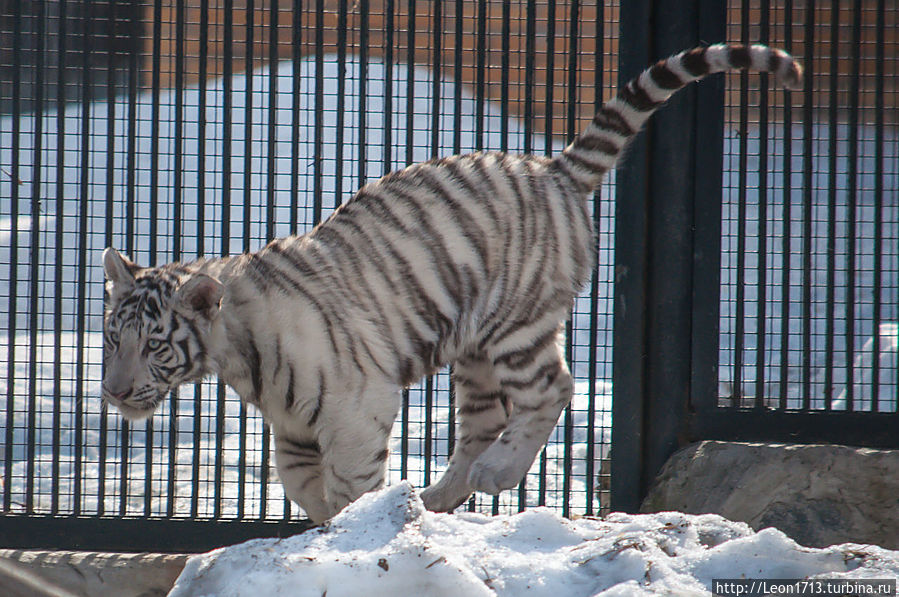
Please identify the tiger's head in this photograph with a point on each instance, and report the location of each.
(155, 331)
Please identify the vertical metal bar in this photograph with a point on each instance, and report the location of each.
(111, 67)
(568, 423)
(62, 34)
(571, 105)
(196, 441)
(628, 367)
(787, 236)
(272, 120)
(248, 126)
(677, 153)
(155, 85)
(878, 201)
(388, 86)
(529, 79)
(657, 202)
(363, 93)
(410, 85)
(429, 423)
(202, 67)
(530, 51)
(851, 197)
(219, 474)
(830, 291)
(505, 55)
(404, 437)
(247, 223)
(807, 195)
(178, 192)
(549, 106)
(480, 100)
(590, 473)
(178, 171)
(457, 148)
(480, 76)
(35, 255)
(154, 153)
(296, 79)
(227, 82)
(319, 111)
(762, 253)
(265, 463)
(130, 201)
(131, 147)
(736, 397)
(457, 79)
(409, 157)
(549, 103)
(708, 124)
(437, 74)
(83, 230)
(11, 330)
(341, 108)
(201, 236)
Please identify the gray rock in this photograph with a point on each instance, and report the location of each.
(32, 573)
(819, 495)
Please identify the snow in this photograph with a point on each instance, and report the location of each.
(387, 544)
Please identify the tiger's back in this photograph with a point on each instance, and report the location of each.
(441, 257)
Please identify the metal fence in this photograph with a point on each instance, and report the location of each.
(810, 255)
(764, 300)
(207, 127)
(752, 233)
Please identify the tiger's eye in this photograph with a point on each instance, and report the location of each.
(114, 336)
(153, 344)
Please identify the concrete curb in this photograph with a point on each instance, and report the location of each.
(32, 573)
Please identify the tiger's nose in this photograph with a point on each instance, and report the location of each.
(122, 395)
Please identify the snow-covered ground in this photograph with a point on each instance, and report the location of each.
(387, 544)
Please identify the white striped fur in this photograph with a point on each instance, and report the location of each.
(469, 260)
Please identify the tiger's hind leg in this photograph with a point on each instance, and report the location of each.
(482, 414)
(535, 377)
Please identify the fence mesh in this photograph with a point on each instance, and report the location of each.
(178, 128)
(810, 251)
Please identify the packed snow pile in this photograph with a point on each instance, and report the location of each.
(386, 543)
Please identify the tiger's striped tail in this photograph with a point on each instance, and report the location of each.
(597, 149)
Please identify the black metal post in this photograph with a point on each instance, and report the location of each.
(667, 213)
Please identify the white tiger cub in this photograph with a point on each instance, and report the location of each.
(470, 260)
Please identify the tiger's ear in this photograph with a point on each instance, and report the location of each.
(200, 295)
(119, 272)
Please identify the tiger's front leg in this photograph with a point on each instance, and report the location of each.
(354, 437)
(299, 467)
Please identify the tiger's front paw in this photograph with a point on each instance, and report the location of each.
(497, 469)
(438, 499)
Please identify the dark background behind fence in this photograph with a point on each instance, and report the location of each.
(177, 128)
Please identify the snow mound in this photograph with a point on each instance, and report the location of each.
(386, 543)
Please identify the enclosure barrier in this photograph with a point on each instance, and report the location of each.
(748, 247)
